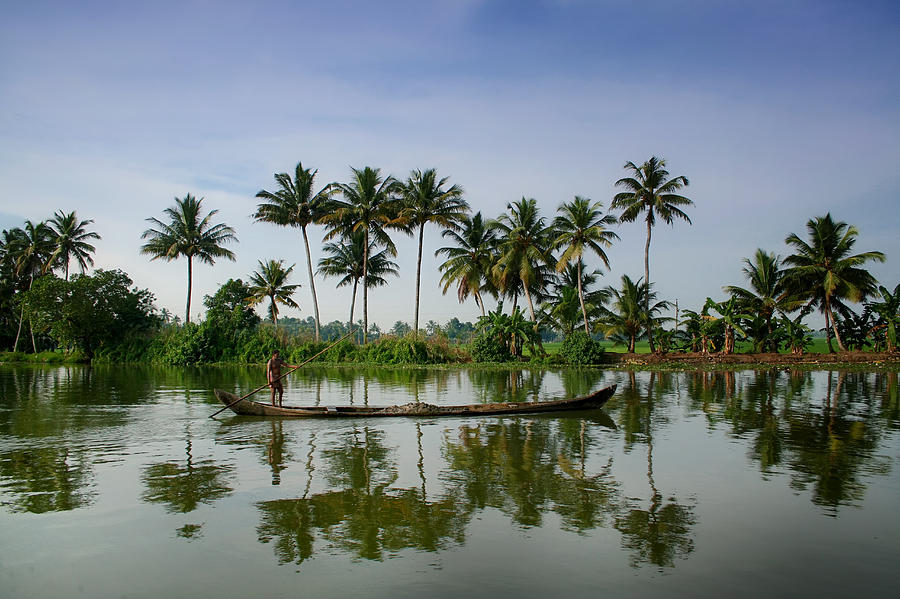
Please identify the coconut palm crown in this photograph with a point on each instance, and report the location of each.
(581, 226)
(187, 233)
(70, 238)
(269, 281)
(825, 271)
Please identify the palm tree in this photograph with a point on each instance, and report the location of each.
(270, 281)
(425, 200)
(767, 294)
(469, 263)
(70, 238)
(294, 204)
(631, 311)
(825, 272)
(581, 227)
(888, 311)
(344, 259)
(370, 205)
(650, 190)
(190, 235)
(29, 249)
(524, 249)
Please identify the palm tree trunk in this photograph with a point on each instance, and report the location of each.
(479, 301)
(19, 330)
(581, 299)
(187, 315)
(647, 282)
(353, 303)
(312, 281)
(273, 312)
(418, 280)
(837, 334)
(366, 286)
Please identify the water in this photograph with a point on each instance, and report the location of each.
(114, 483)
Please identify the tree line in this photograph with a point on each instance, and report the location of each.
(521, 255)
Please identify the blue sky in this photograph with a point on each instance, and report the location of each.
(775, 111)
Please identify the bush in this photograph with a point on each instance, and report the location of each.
(580, 348)
(487, 348)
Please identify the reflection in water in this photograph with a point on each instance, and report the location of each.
(371, 489)
(663, 531)
(181, 487)
(46, 479)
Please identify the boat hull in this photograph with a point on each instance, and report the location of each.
(247, 407)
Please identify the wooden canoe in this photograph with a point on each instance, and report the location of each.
(247, 407)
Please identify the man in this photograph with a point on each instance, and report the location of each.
(273, 375)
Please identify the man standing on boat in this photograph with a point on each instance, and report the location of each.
(273, 375)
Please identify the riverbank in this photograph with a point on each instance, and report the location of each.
(687, 361)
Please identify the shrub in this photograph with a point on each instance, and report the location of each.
(580, 348)
(488, 348)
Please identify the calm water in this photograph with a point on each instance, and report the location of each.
(114, 483)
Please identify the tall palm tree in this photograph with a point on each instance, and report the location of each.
(269, 281)
(344, 258)
(825, 271)
(650, 190)
(70, 238)
(188, 234)
(470, 261)
(427, 200)
(767, 293)
(371, 205)
(580, 227)
(295, 204)
(524, 249)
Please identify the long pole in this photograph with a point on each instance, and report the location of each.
(307, 361)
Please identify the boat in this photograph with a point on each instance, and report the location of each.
(248, 407)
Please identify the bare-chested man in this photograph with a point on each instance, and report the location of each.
(273, 375)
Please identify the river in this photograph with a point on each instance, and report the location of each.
(114, 482)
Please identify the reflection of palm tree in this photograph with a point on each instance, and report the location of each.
(182, 487)
(662, 532)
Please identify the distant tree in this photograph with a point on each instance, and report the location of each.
(70, 237)
(650, 191)
(824, 271)
(427, 199)
(187, 233)
(269, 281)
(296, 204)
(400, 329)
(90, 311)
(469, 262)
(581, 227)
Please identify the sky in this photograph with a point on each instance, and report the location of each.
(776, 112)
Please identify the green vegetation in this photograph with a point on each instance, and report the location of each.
(566, 314)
